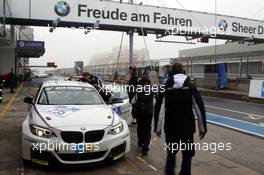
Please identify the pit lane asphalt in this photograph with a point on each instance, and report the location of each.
(246, 156)
(245, 111)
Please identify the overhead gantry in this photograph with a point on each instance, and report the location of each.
(126, 17)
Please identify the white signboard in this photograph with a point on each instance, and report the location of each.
(123, 15)
(256, 89)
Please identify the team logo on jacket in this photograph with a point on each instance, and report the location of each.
(62, 8)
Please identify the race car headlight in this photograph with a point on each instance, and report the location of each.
(41, 132)
(117, 129)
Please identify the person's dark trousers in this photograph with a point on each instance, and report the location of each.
(144, 121)
(187, 154)
(11, 89)
(12, 86)
(134, 112)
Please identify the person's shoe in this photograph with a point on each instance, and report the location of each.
(134, 122)
(144, 151)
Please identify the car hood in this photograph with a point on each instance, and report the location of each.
(59, 116)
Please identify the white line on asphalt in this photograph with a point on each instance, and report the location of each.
(149, 165)
(152, 167)
(245, 102)
(138, 157)
(234, 128)
(251, 117)
(239, 112)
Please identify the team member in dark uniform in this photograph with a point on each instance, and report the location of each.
(133, 81)
(180, 97)
(86, 77)
(144, 107)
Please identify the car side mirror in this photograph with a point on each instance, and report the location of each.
(28, 100)
(117, 100)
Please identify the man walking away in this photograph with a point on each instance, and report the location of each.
(180, 95)
(144, 108)
(133, 81)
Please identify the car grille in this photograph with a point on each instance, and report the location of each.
(72, 137)
(83, 156)
(94, 136)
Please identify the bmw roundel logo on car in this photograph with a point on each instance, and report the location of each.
(62, 8)
(223, 25)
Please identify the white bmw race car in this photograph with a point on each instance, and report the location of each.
(68, 122)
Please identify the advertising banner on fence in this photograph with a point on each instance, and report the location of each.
(256, 89)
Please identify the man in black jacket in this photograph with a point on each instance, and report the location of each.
(144, 107)
(180, 97)
(133, 81)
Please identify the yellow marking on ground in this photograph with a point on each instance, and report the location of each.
(10, 102)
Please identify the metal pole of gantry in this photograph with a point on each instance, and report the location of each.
(4, 13)
(131, 43)
(240, 67)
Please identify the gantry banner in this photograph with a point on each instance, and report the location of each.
(123, 16)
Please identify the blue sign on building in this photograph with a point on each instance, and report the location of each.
(262, 89)
(30, 44)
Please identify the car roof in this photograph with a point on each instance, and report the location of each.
(65, 83)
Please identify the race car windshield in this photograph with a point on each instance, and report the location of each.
(65, 95)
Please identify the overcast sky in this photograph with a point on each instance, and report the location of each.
(64, 46)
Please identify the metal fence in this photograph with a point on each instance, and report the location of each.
(240, 67)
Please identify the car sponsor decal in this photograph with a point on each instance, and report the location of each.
(61, 111)
(118, 110)
(38, 114)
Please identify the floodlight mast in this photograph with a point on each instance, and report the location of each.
(4, 18)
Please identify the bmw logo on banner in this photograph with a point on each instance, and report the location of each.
(62, 8)
(223, 25)
(21, 44)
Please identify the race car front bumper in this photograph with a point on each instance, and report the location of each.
(45, 150)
